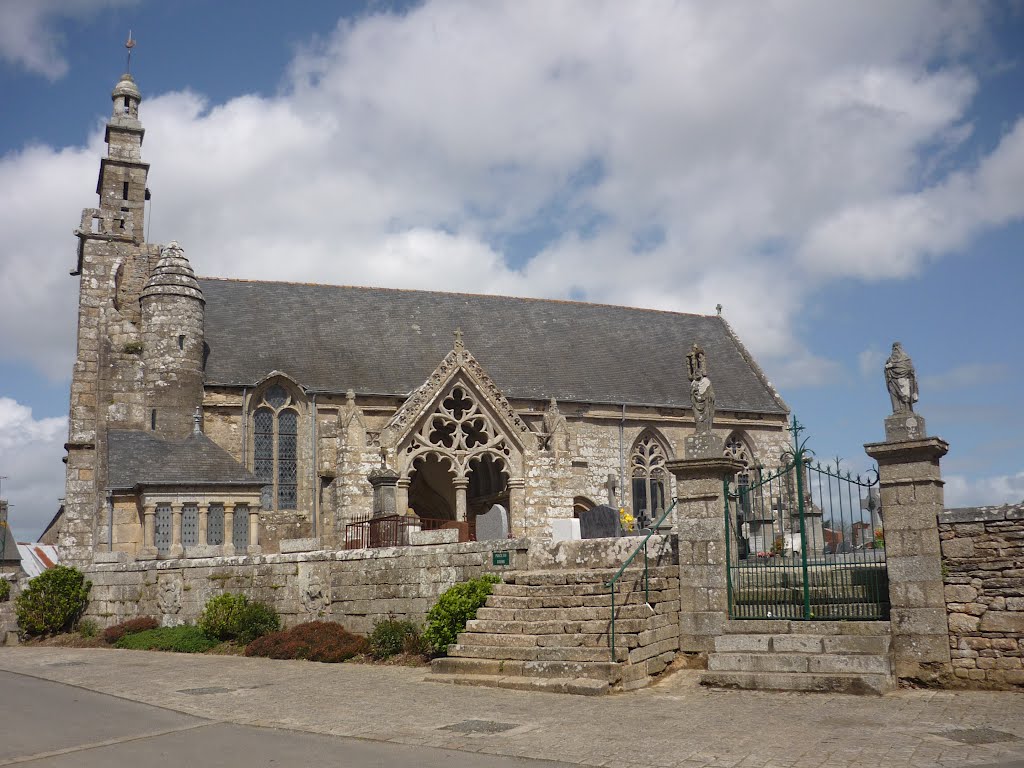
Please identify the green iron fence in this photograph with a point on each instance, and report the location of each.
(804, 541)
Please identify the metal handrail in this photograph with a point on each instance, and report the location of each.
(618, 574)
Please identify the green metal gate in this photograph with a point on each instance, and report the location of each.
(805, 541)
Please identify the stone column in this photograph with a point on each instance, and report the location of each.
(177, 550)
(516, 506)
(229, 528)
(703, 579)
(385, 492)
(461, 486)
(912, 499)
(402, 495)
(254, 530)
(204, 518)
(148, 532)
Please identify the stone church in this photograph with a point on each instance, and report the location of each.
(216, 416)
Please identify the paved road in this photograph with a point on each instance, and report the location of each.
(51, 724)
(208, 710)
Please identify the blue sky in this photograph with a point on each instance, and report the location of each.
(838, 177)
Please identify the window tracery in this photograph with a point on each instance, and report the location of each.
(462, 432)
(275, 446)
(650, 477)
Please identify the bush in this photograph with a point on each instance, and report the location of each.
(232, 617)
(53, 601)
(113, 634)
(183, 639)
(5, 589)
(88, 628)
(392, 636)
(456, 606)
(313, 641)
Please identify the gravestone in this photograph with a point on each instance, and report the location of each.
(492, 524)
(600, 523)
(567, 529)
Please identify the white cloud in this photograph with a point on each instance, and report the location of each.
(966, 375)
(870, 362)
(30, 459)
(29, 36)
(409, 150)
(962, 491)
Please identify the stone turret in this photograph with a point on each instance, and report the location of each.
(172, 343)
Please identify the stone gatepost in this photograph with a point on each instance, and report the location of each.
(912, 499)
(700, 516)
(385, 492)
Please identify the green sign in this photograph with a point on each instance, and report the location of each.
(499, 558)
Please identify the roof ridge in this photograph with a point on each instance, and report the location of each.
(456, 293)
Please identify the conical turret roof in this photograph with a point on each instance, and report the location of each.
(172, 276)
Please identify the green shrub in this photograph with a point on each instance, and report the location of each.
(392, 636)
(313, 641)
(53, 601)
(456, 606)
(5, 589)
(88, 628)
(183, 639)
(130, 627)
(233, 617)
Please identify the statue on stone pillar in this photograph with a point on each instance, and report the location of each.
(702, 394)
(901, 380)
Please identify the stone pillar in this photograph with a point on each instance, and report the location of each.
(912, 499)
(254, 530)
(204, 519)
(229, 528)
(402, 495)
(516, 505)
(177, 550)
(385, 492)
(148, 532)
(461, 486)
(703, 579)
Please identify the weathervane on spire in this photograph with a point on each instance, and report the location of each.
(129, 44)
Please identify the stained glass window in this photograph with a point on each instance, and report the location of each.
(287, 443)
(275, 448)
(163, 529)
(240, 528)
(190, 525)
(215, 524)
(649, 478)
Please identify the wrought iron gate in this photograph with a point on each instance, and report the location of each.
(805, 541)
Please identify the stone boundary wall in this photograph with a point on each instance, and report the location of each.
(983, 574)
(352, 587)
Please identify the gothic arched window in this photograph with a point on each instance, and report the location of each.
(275, 446)
(650, 478)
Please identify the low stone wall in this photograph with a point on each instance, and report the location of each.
(352, 587)
(983, 573)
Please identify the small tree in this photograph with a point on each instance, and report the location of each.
(53, 601)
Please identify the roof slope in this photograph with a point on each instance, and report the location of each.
(142, 458)
(386, 341)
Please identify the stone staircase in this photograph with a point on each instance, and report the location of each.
(826, 656)
(549, 630)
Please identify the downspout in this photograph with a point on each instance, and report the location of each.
(622, 456)
(316, 491)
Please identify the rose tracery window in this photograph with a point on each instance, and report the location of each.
(461, 431)
(275, 446)
(650, 478)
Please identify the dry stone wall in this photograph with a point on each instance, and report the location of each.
(983, 574)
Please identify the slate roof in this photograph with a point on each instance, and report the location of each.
(386, 341)
(143, 458)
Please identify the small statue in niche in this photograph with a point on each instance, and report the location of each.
(901, 380)
(702, 394)
(554, 422)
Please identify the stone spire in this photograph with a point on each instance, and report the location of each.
(122, 181)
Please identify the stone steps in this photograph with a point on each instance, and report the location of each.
(842, 657)
(550, 630)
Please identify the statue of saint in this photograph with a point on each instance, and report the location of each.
(554, 422)
(901, 380)
(702, 394)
